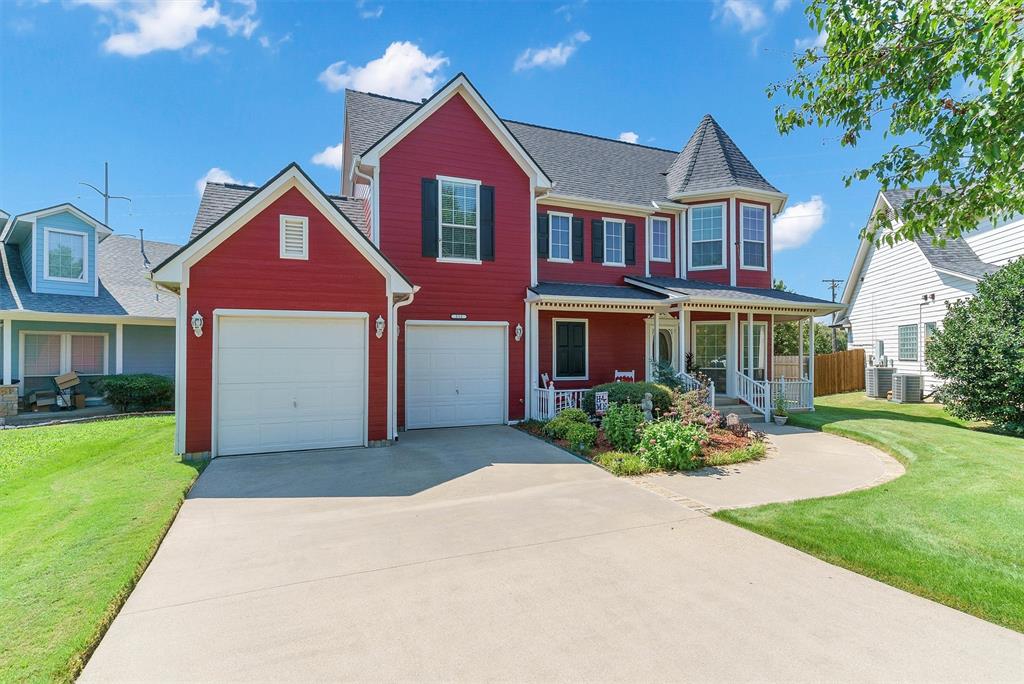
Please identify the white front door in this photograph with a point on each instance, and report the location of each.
(455, 374)
(668, 328)
(288, 383)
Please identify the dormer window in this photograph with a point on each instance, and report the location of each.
(754, 230)
(65, 253)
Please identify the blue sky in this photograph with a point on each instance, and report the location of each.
(168, 91)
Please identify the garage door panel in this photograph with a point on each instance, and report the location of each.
(290, 383)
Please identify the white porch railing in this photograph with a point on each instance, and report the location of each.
(755, 393)
(690, 383)
(799, 394)
(548, 401)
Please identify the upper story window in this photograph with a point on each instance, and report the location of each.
(460, 220)
(707, 237)
(614, 251)
(560, 240)
(66, 254)
(660, 241)
(754, 226)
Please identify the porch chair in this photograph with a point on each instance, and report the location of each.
(628, 376)
(545, 381)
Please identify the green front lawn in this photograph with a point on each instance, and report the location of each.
(951, 529)
(82, 510)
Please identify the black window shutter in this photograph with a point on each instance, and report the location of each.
(542, 236)
(428, 204)
(597, 240)
(630, 243)
(577, 239)
(486, 223)
(570, 349)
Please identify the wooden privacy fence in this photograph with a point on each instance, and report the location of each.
(788, 367)
(839, 372)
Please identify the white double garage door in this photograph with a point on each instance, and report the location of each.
(291, 381)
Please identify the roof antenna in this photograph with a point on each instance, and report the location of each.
(105, 193)
(142, 248)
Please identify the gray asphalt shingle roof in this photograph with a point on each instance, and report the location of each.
(583, 165)
(698, 289)
(124, 290)
(596, 291)
(220, 198)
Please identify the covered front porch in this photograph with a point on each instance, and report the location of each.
(583, 336)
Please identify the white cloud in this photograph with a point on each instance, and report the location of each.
(815, 43)
(551, 57)
(330, 156)
(274, 46)
(781, 5)
(747, 14)
(629, 136)
(216, 175)
(146, 26)
(403, 71)
(567, 10)
(367, 12)
(798, 223)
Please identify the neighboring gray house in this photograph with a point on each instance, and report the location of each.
(74, 296)
(896, 296)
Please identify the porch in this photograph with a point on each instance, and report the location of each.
(726, 348)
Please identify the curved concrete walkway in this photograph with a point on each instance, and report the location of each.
(801, 464)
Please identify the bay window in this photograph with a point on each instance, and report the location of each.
(707, 236)
(753, 224)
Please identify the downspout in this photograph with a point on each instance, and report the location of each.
(394, 354)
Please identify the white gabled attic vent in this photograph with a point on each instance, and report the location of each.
(294, 237)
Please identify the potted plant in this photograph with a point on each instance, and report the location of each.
(779, 404)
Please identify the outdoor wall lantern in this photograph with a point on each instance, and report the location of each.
(197, 324)
(380, 326)
(519, 331)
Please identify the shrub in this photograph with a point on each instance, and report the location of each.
(581, 435)
(979, 351)
(620, 463)
(621, 424)
(630, 393)
(670, 445)
(747, 453)
(556, 427)
(665, 374)
(139, 392)
(693, 407)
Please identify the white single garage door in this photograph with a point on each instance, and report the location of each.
(286, 383)
(455, 374)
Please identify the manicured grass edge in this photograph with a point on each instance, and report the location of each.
(77, 663)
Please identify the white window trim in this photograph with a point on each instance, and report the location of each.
(689, 237)
(440, 223)
(46, 255)
(605, 221)
(550, 232)
(305, 237)
(668, 239)
(743, 346)
(65, 351)
(554, 349)
(744, 241)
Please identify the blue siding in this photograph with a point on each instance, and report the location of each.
(26, 259)
(57, 327)
(148, 349)
(66, 221)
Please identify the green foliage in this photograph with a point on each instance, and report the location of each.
(747, 453)
(621, 424)
(665, 374)
(979, 351)
(942, 78)
(671, 445)
(582, 435)
(620, 463)
(693, 407)
(786, 341)
(630, 393)
(780, 405)
(139, 392)
(557, 427)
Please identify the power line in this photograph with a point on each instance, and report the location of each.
(833, 284)
(105, 193)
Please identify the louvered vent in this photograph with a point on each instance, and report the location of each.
(294, 237)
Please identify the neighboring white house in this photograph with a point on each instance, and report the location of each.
(898, 295)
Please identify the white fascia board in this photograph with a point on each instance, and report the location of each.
(852, 280)
(460, 85)
(28, 315)
(567, 299)
(576, 202)
(745, 304)
(34, 216)
(957, 274)
(777, 200)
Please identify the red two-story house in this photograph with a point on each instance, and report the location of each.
(474, 271)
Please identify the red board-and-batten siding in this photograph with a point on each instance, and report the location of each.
(454, 142)
(246, 272)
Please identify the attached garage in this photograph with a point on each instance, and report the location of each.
(289, 381)
(456, 373)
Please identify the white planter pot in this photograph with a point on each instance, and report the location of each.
(781, 420)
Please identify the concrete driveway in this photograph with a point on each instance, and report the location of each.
(484, 554)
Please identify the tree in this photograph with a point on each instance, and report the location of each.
(947, 79)
(979, 351)
(786, 339)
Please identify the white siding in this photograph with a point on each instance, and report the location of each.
(998, 245)
(892, 283)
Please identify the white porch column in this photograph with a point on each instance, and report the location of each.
(811, 361)
(533, 340)
(682, 339)
(749, 368)
(119, 349)
(769, 350)
(800, 358)
(655, 347)
(732, 353)
(7, 323)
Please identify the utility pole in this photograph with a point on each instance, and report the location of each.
(105, 193)
(833, 284)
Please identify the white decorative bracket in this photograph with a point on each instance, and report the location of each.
(380, 327)
(197, 324)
